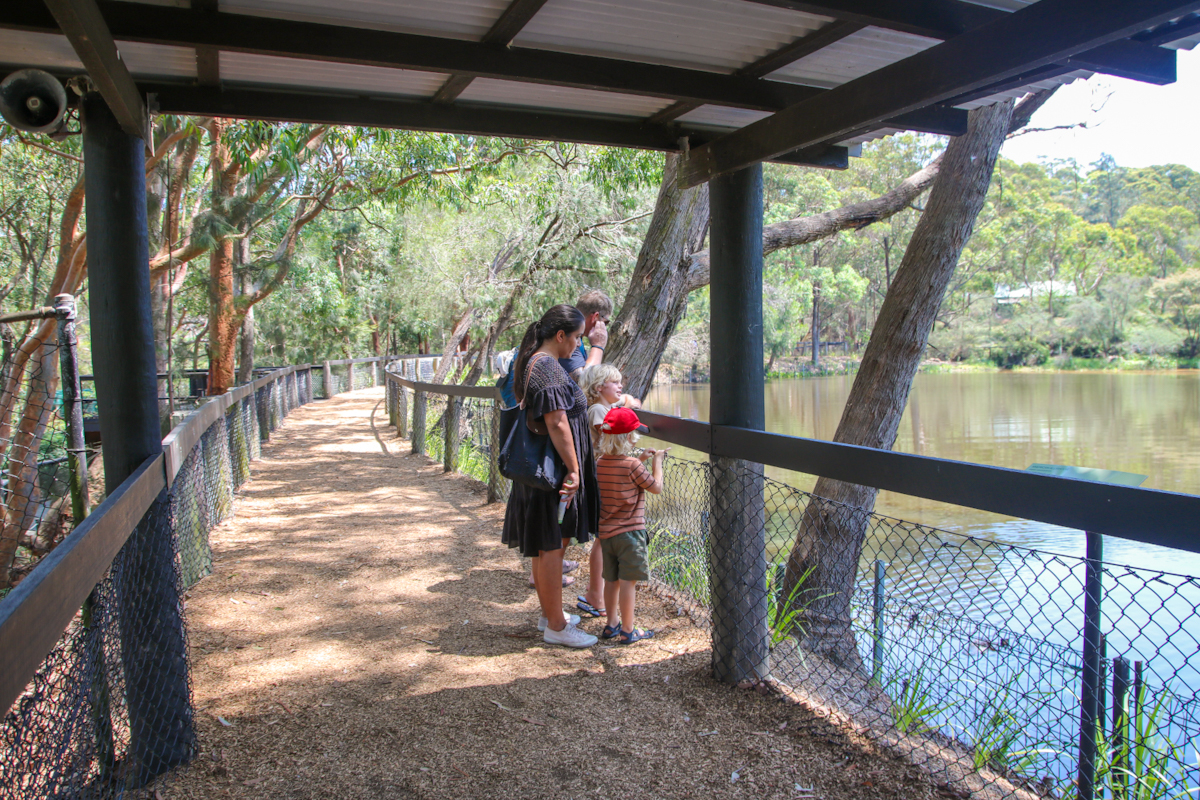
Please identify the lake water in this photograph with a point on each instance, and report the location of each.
(1147, 423)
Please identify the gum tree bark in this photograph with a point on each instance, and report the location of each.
(825, 556)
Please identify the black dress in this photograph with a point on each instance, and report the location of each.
(531, 519)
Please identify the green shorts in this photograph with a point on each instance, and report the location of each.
(625, 557)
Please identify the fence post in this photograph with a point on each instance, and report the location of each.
(64, 305)
(402, 412)
(493, 495)
(453, 411)
(418, 423)
(737, 546)
(1089, 712)
(328, 380)
(1120, 728)
(877, 619)
(147, 603)
(374, 373)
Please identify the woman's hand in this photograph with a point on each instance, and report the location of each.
(570, 485)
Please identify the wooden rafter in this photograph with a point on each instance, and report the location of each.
(997, 51)
(478, 119)
(83, 25)
(501, 34)
(945, 19)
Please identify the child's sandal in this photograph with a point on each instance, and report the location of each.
(611, 631)
(635, 635)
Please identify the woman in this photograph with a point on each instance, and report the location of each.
(531, 520)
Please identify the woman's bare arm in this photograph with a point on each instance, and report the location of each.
(560, 434)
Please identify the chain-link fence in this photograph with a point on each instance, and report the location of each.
(110, 707)
(36, 448)
(962, 653)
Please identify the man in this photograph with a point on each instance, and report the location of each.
(597, 308)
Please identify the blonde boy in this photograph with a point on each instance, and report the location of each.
(623, 481)
(603, 387)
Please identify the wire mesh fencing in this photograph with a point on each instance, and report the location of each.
(110, 708)
(962, 653)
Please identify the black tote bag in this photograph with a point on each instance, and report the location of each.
(526, 457)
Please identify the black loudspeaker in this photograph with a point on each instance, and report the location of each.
(32, 100)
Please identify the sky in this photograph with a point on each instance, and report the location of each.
(1139, 124)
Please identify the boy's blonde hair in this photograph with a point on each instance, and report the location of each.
(596, 376)
(618, 444)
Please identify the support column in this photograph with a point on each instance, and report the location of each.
(737, 544)
(153, 653)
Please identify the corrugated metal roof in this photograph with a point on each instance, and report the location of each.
(715, 35)
(1049, 83)
(856, 55)
(455, 19)
(722, 117)
(534, 95)
(51, 51)
(347, 78)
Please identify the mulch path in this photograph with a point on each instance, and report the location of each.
(364, 634)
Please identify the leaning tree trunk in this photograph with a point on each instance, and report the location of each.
(826, 553)
(658, 291)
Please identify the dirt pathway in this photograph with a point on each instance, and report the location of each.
(365, 634)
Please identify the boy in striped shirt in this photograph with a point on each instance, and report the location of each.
(623, 481)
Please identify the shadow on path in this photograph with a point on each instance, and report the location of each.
(365, 634)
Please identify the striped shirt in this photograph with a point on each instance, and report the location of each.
(623, 481)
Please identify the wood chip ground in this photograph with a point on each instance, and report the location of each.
(364, 634)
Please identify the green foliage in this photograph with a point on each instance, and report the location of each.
(1145, 765)
(912, 705)
(996, 733)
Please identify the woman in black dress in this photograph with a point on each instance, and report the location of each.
(531, 519)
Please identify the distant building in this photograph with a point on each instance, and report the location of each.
(1006, 295)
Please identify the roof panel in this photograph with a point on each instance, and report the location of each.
(347, 78)
(722, 117)
(1018, 93)
(714, 35)
(536, 95)
(856, 55)
(456, 19)
(51, 51)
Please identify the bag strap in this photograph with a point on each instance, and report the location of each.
(528, 369)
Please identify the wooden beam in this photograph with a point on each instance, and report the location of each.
(503, 31)
(83, 25)
(945, 19)
(208, 59)
(467, 118)
(999, 50)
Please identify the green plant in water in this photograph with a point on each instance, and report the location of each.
(1146, 764)
(912, 704)
(997, 733)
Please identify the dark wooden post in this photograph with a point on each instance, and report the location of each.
(737, 546)
(453, 412)
(153, 652)
(418, 422)
(494, 476)
(402, 412)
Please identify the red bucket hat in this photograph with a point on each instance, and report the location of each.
(622, 420)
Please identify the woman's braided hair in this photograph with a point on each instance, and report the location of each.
(561, 317)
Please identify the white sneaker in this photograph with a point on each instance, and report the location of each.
(569, 636)
(572, 619)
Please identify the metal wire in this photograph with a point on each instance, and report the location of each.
(110, 708)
